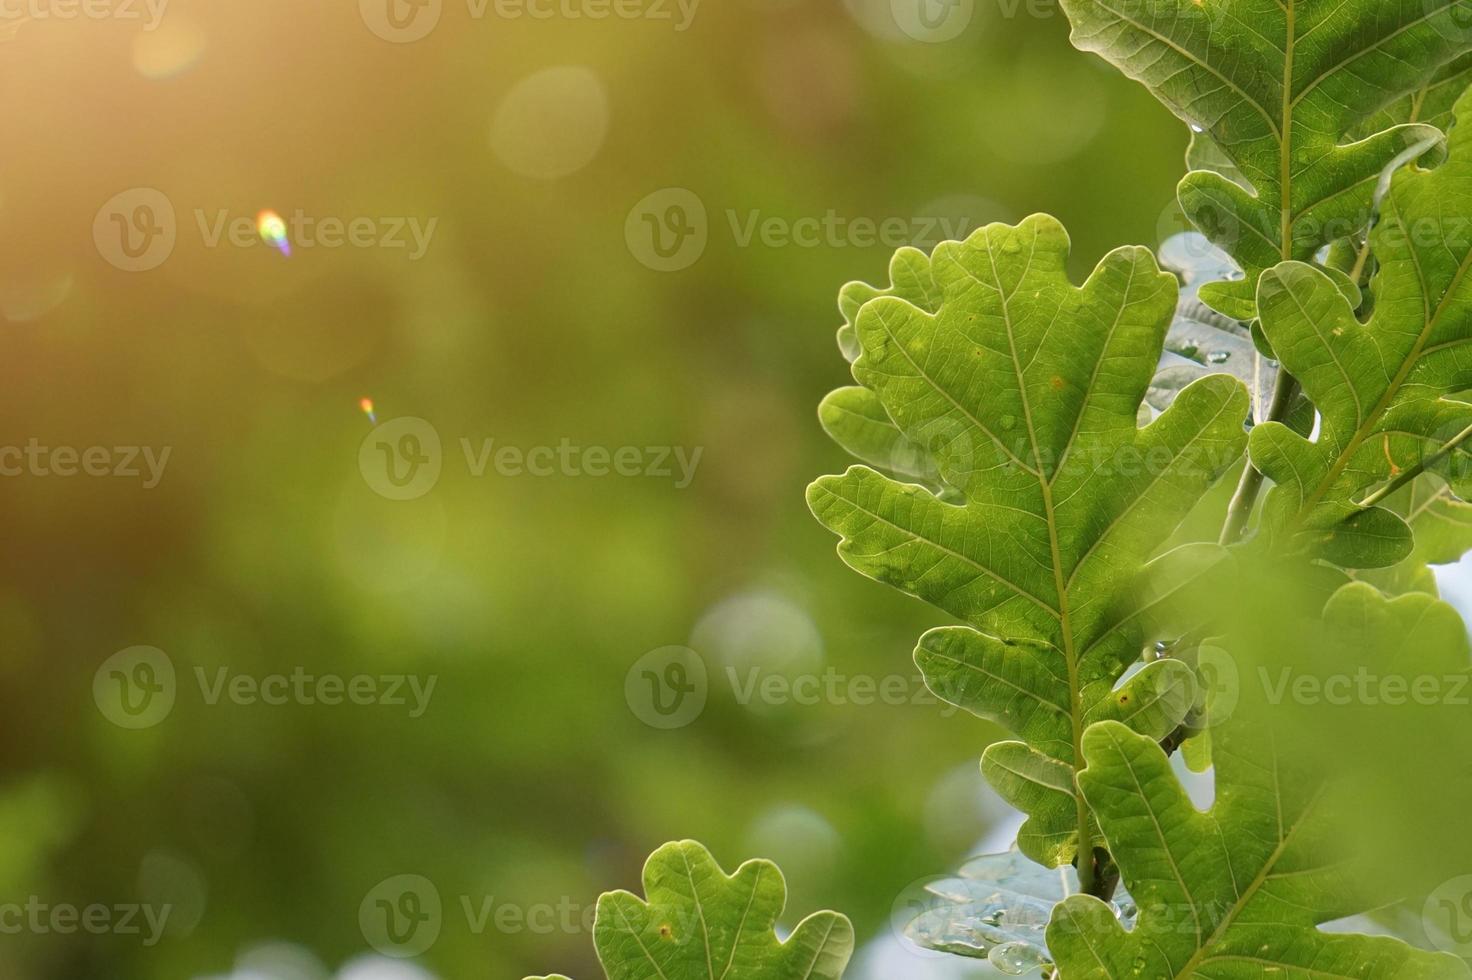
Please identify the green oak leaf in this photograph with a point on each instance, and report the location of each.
(1384, 388)
(854, 417)
(1432, 103)
(1238, 891)
(1026, 391)
(910, 279)
(1274, 91)
(1442, 529)
(701, 924)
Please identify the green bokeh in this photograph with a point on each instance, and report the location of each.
(529, 320)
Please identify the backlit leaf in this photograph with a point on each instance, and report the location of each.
(698, 923)
(1240, 890)
(1026, 391)
(1385, 389)
(1274, 91)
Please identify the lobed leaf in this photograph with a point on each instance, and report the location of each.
(698, 923)
(1386, 390)
(1025, 390)
(1432, 103)
(1275, 91)
(1239, 891)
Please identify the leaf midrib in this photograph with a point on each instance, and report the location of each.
(1045, 485)
(1261, 878)
(1285, 153)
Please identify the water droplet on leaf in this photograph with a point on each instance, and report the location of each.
(1015, 959)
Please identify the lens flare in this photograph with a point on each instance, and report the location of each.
(273, 231)
(367, 406)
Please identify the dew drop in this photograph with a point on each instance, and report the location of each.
(1015, 959)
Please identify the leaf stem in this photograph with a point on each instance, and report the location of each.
(1417, 470)
(1250, 485)
(1085, 862)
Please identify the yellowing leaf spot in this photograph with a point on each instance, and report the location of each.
(1057, 383)
(665, 932)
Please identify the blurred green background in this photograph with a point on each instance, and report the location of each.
(532, 317)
